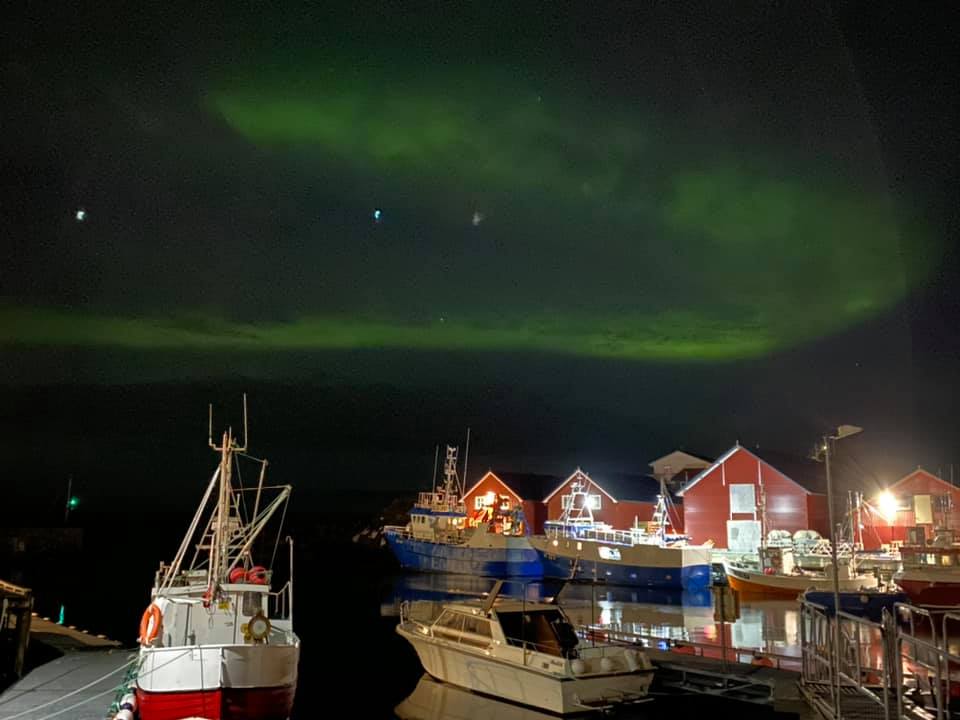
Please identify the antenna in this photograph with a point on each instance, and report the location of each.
(210, 426)
(436, 458)
(244, 446)
(466, 458)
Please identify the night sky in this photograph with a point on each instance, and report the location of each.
(593, 234)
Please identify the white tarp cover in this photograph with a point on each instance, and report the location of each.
(743, 535)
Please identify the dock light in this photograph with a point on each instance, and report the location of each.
(888, 506)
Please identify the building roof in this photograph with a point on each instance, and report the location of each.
(619, 487)
(526, 486)
(806, 473)
(920, 471)
(633, 487)
(695, 456)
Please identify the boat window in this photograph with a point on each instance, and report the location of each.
(450, 621)
(252, 603)
(607, 553)
(545, 631)
(477, 626)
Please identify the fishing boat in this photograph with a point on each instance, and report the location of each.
(216, 641)
(930, 574)
(527, 653)
(778, 576)
(578, 548)
(438, 537)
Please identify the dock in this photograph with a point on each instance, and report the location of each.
(79, 685)
(775, 688)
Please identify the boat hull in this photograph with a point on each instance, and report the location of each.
(758, 584)
(939, 587)
(217, 682)
(868, 604)
(270, 703)
(500, 556)
(525, 685)
(679, 568)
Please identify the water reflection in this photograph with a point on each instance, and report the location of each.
(662, 618)
(434, 700)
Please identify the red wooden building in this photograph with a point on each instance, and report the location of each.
(724, 503)
(917, 500)
(507, 490)
(617, 499)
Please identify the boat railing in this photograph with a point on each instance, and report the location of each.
(615, 633)
(282, 601)
(599, 534)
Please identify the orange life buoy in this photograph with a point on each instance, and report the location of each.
(237, 575)
(257, 575)
(150, 624)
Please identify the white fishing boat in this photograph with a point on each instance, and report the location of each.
(216, 642)
(778, 576)
(527, 653)
(577, 547)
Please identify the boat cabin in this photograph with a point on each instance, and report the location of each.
(930, 556)
(186, 620)
(538, 627)
(434, 516)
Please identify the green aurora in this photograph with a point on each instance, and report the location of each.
(678, 251)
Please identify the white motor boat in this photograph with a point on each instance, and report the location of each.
(527, 653)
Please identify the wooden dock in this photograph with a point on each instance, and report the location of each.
(79, 685)
(777, 688)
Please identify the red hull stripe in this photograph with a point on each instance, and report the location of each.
(274, 703)
(923, 592)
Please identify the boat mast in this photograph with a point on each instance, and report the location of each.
(661, 516)
(220, 542)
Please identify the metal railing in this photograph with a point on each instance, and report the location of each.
(849, 679)
(708, 650)
(924, 663)
(905, 668)
(282, 601)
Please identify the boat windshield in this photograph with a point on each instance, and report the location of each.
(545, 631)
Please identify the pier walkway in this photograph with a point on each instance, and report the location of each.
(78, 685)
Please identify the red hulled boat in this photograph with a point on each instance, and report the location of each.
(216, 642)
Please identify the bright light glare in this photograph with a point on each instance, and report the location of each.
(888, 505)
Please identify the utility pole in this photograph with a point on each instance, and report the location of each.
(70, 502)
(842, 432)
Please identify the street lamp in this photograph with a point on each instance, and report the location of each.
(844, 431)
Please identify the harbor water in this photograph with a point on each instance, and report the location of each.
(347, 601)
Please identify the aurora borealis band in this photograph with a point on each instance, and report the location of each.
(523, 205)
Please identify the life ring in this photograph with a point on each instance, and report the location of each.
(150, 624)
(257, 575)
(237, 575)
